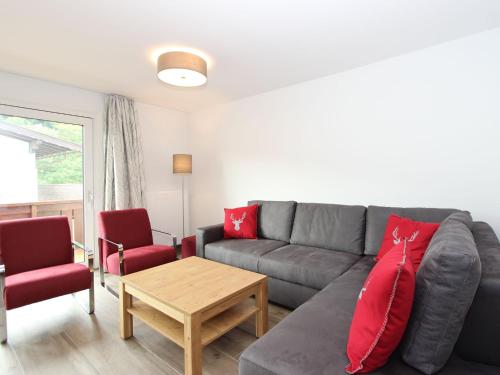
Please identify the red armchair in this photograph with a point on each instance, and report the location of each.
(126, 243)
(37, 263)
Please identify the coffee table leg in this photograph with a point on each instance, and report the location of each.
(261, 319)
(192, 345)
(126, 320)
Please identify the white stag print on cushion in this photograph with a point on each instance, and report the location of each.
(238, 222)
(397, 238)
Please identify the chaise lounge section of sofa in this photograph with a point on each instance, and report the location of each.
(317, 257)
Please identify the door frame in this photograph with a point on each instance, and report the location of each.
(88, 157)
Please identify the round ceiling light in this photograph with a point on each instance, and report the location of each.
(182, 69)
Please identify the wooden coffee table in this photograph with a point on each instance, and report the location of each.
(193, 302)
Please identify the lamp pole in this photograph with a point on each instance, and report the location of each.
(182, 164)
(183, 219)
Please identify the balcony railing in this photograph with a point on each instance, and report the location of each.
(73, 209)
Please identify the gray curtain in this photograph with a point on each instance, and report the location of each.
(124, 175)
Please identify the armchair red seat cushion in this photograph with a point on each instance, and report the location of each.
(38, 285)
(141, 258)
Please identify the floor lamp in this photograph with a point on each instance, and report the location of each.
(183, 165)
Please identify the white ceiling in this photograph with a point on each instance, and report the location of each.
(252, 46)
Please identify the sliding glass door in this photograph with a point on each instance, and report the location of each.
(46, 168)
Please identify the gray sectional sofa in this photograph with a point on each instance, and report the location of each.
(317, 257)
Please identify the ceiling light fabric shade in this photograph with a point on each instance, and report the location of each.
(182, 69)
(182, 163)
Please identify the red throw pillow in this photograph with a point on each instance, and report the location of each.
(418, 235)
(382, 312)
(241, 222)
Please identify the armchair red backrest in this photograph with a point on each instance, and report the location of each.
(30, 244)
(129, 227)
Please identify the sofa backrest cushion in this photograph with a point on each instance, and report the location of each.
(480, 337)
(376, 221)
(446, 284)
(275, 219)
(330, 226)
(30, 244)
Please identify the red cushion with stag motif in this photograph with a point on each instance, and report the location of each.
(241, 222)
(382, 312)
(418, 235)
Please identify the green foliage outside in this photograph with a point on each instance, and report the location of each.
(60, 169)
(65, 168)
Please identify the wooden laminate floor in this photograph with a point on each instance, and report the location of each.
(58, 337)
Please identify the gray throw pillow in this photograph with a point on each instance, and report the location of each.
(446, 284)
(275, 219)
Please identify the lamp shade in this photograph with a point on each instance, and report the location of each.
(182, 163)
(182, 69)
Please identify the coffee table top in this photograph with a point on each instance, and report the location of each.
(193, 284)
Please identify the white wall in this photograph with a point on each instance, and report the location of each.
(422, 129)
(163, 132)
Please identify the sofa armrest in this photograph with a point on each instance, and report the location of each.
(207, 235)
(480, 337)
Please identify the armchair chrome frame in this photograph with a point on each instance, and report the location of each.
(89, 254)
(121, 250)
(3, 309)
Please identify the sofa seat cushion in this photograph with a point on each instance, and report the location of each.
(242, 253)
(313, 338)
(38, 285)
(141, 258)
(310, 266)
